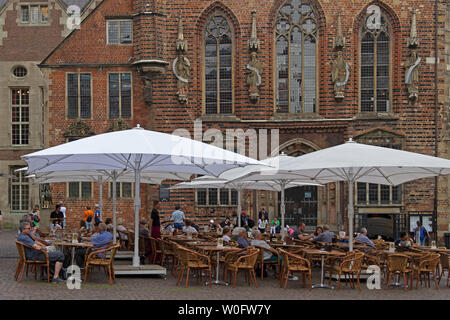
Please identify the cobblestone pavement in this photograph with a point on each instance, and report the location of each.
(155, 288)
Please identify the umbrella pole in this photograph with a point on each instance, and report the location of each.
(137, 204)
(114, 195)
(239, 206)
(282, 209)
(350, 214)
(100, 194)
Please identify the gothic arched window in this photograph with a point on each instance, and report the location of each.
(296, 49)
(218, 46)
(375, 62)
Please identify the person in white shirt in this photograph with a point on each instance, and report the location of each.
(62, 208)
(226, 234)
(188, 228)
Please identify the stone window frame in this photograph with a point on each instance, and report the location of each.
(119, 190)
(120, 95)
(24, 184)
(81, 185)
(218, 192)
(79, 96)
(21, 124)
(119, 20)
(390, 34)
(316, 34)
(18, 67)
(203, 46)
(40, 22)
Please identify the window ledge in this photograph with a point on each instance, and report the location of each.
(383, 116)
(219, 118)
(296, 116)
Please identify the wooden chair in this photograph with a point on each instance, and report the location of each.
(261, 262)
(244, 262)
(124, 244)
(166, 252)
(24, 262)
(144, 245)
(156, 250)
(292, 263)
(398, 264)
(426, 267)
(98, 258)
(231, 257)
(350, 266)
(444, 266)
(190, 259)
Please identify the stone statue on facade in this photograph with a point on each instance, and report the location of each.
(412, 74)
(182, 71)
(339, 75)
(254, 77)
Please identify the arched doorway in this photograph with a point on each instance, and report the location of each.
(301, 202)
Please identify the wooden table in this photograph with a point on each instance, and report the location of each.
(202, 243)
(73, 246)
(323, 253)
(218, 250)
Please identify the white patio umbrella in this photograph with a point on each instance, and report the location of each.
(138, 150)
(239, 186)
(101, 176)
(272, 172)
(354, 162)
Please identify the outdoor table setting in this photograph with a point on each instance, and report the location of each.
(218, 250)
(413, 257)
(72, 246)
(346, 246)
(201, 243)
(323, 253)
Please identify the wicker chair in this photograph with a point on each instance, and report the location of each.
(231, 257)
(292, 263)
(156, 250)
(189, 259)
(166, 252)
(24, 262)
(444, 266)
(426, 267)
(245, 262)
(350, 265)
(98, 258)
(261, 262)
(398, 264)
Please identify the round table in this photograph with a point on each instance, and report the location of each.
(323, 253)
(218, 250)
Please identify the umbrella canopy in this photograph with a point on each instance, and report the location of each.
(138, 150)
(239, 185)
(355, 162)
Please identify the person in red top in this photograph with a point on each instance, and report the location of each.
(88, 217)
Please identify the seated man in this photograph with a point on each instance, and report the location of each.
(325, 236)
(258, 241)
(55, 258)
(362, 238)
(298, 234)
(242, 240)
(188, 228)
(99, 241)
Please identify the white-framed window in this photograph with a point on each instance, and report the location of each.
(20, 116)
(79, 95)
(79, 190)
(34, 13)
(216, 197)
(123, 190)
(19, 190)
(119, 31)
(119, 91)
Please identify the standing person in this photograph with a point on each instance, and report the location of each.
(88, 216)
(155, 223)
(262, 223)
(263, 214)
(56, 216)
(178, 218)
(63, 210)
(423, 233)
(97, 215)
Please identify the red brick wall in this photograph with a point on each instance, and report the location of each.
(88, 45)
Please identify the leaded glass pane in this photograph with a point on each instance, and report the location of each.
(113, 32)
(85, 95)
(212, 197)
(72, 95)
(114, 95)
(125, 91)
(126, 32)
(224, 197)
(361, 193)
(282, 75)
(201, 197)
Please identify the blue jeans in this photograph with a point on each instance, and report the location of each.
(178, 226)
(89, 226)
(422, 241)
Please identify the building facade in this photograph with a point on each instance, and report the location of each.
(308, 74)
(29, 30)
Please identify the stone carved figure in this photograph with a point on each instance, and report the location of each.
(339, 74)
(147, 90)
(254, 77)
(412, 74)
(182, 70)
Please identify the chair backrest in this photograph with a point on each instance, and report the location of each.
(444, 260)
(397, 262)
(153, 243)
(288, 259)
(113, 250)
(21, 250)
(353, 262)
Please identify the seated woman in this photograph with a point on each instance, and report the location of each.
(188, 227)
(319, 230)
(226, 234)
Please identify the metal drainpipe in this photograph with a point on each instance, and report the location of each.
(435, 112)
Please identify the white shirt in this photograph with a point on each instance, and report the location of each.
(63, 210)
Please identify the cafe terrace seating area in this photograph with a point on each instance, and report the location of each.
(201, 260)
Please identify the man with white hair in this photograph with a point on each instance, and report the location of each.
(362, 238)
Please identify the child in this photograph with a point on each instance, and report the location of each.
(275, 224)
(262, 224)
